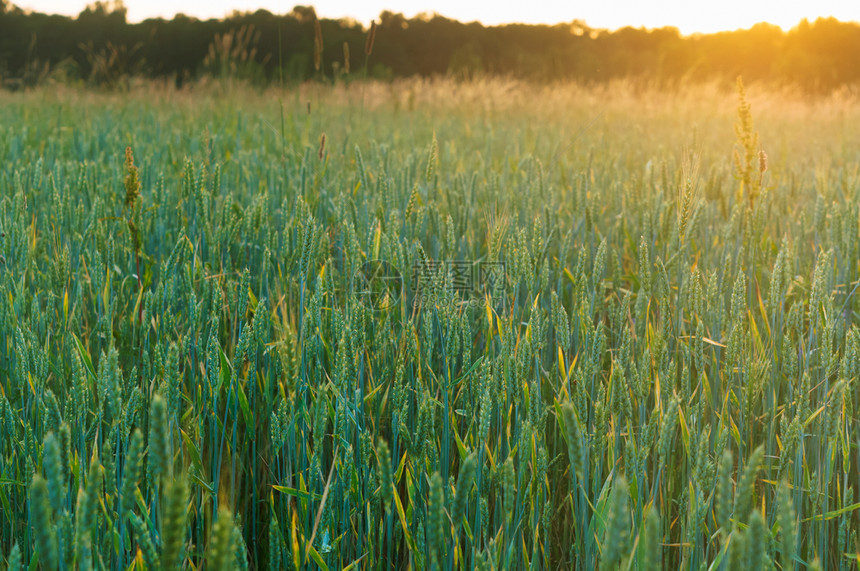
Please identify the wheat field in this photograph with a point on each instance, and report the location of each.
(429, 325)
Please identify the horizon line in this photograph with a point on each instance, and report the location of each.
(429, 15)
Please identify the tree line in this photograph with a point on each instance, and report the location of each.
(101, 47)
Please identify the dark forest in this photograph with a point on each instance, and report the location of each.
(99, 47)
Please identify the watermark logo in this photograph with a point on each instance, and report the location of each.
(377, 285)
(470, 281)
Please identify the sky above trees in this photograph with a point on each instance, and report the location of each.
(688, 17)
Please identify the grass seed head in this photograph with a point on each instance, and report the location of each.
(346, 58)
(371, 37)
(132, 179)
(318, 45)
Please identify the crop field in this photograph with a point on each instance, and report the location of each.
(429, 325)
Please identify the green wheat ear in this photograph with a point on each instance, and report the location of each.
(87, 500)
(131, 474)
(746, 486)
(787, 525)
(464, 485)
(574, 441)
(746, 150)
(219, 553)
(757, 542)
(667, 430)
(737, 550)
(240, 550)
(53, 466)
(15, 563)
(724, 494)
(617, 525)
(432, 158)
(687, 196)
(84, 510)
(43, 526)
(436, 519)
(173, 522)
(652, 542)
(275, 543)
(386, 484)
(145, 543)
(158, 450)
